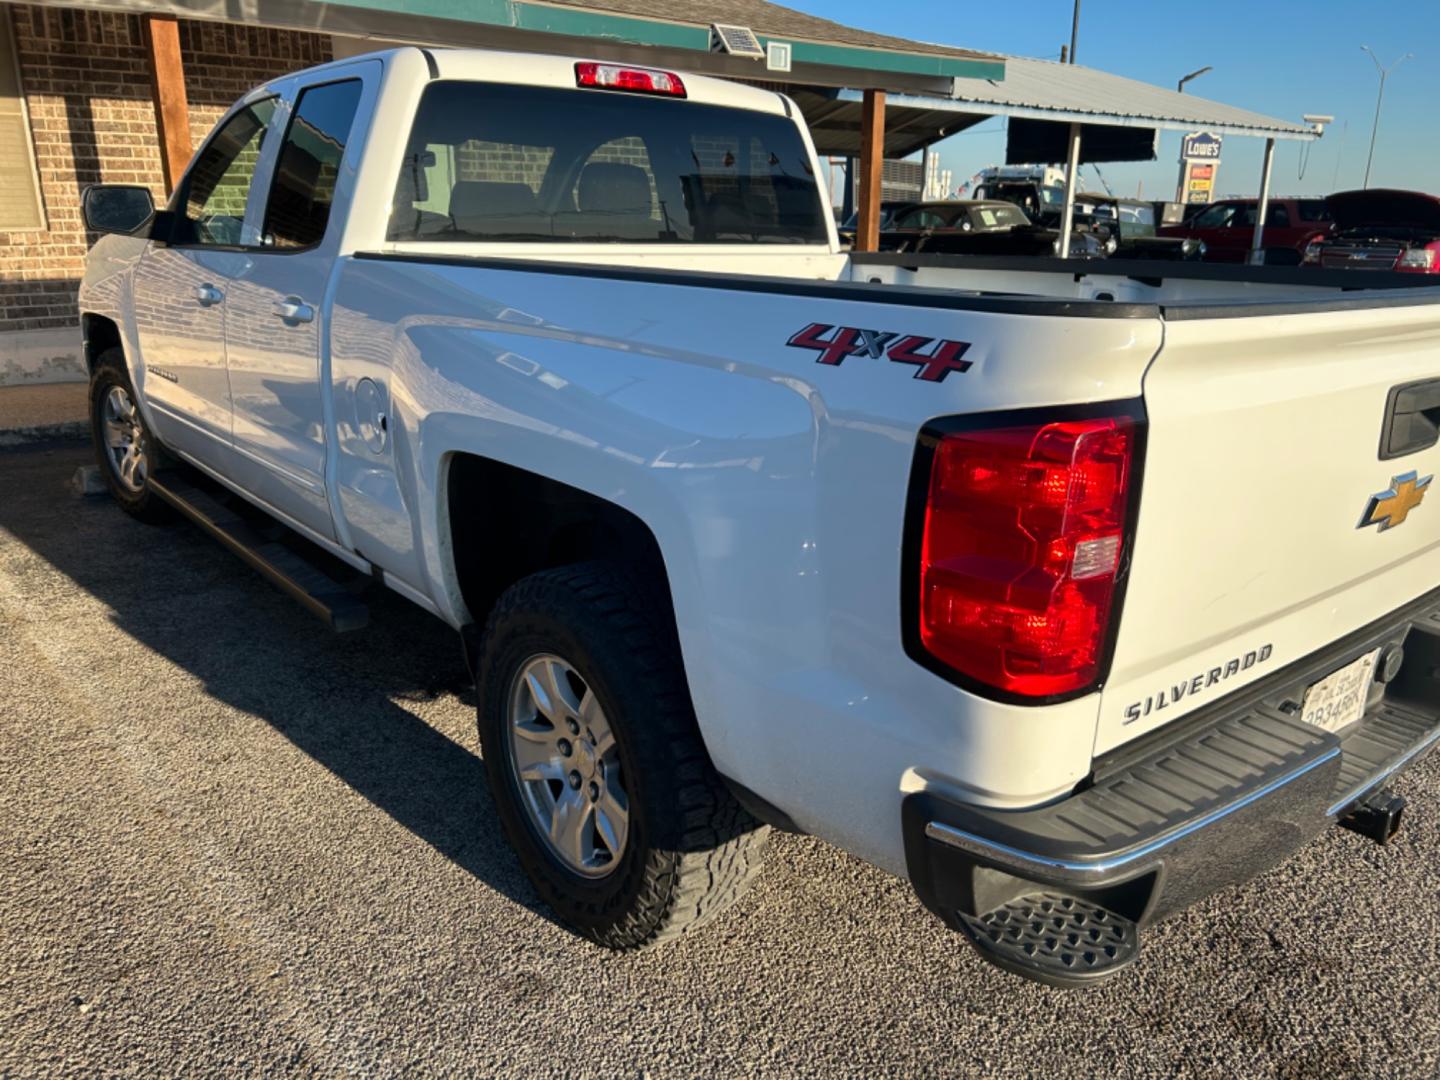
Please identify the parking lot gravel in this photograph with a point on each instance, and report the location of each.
(234, 843)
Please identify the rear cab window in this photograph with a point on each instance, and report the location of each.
(495, 162)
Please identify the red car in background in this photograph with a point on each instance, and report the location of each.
(1380, 229)
(1228, 227)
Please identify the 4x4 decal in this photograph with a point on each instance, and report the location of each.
(846, 341)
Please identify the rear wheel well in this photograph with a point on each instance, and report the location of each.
(100, 334)
(507, 523)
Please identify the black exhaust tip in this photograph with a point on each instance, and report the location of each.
(1376, 816)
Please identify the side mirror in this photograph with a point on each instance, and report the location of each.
(117, 208)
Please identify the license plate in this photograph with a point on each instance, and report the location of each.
(1339, 698)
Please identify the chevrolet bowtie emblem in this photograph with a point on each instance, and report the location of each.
(1391, 507)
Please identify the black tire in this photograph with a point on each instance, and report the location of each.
(110, 372)
(692, 850)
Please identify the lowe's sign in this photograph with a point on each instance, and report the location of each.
(1200, 146)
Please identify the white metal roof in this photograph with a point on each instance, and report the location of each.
(1045, 90)
(1050, 91)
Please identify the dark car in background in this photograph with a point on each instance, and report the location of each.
(983, 227)
(888, 209)
(1228, 228)
(1132, 223)
(1043, 203)
(1380, 229)
(965, 215)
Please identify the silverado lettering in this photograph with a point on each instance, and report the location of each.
(1206, 679)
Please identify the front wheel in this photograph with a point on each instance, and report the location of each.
(596, 763)
(125, 449)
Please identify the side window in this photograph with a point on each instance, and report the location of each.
(1277, 217)
(309, 165)
(1219, 216)
(920, 219)
(218, 185)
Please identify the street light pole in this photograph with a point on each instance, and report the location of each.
(1180, 86)
(1180, 89)
(1379, 98)
(1074, 30)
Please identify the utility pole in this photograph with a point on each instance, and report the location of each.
(1074, 30)
(1379, 98)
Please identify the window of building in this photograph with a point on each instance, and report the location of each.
(309, 167)
(20, 205)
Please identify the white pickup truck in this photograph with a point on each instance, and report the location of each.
(1072, 592)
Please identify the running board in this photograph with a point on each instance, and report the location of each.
(287, 570)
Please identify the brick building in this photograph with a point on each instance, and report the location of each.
(76, 108)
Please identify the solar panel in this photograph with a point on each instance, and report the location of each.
(736, 40)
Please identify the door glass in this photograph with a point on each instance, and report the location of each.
(304, 188)
(219, 183)
(1218, 216)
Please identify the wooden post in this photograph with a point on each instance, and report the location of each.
(872, 156)
(172, 110)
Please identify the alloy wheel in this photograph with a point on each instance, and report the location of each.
(567, 764)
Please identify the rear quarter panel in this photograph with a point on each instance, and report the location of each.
(774, 485)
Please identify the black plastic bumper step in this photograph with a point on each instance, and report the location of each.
(285, 568)
(1055, 939)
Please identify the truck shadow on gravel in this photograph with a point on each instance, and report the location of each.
(344, 700)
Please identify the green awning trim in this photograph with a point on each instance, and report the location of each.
(856, 56)
(576, 23)
(598, 25)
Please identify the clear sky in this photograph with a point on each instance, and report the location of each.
(1282, 58)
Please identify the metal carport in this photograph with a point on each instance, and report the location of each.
(1078, 99)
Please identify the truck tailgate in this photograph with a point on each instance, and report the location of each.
(1262, 462)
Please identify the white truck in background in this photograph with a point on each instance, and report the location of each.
(1072, 592)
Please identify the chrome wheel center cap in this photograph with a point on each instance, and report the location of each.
(585, 762)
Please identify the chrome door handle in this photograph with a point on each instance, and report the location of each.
(294, 310)
(207, 294)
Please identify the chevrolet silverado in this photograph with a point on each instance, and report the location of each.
(1070, 591)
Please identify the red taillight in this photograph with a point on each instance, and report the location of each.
(635, 79)
(1023, 532)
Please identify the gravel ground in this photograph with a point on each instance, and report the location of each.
(231, 842)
